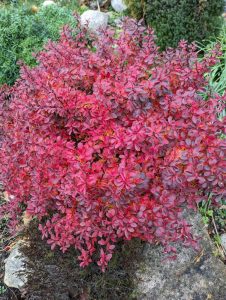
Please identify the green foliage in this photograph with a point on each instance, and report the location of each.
(206, 211)
(136, 9)
(2, 289)
(71, 4)
(220, 216)
(217, 84)
(173, 20)
(217, 76)
(215, 218)
(22, 33)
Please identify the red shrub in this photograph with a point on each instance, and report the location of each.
(107, 139)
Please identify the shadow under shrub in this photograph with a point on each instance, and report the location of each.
(57, 275)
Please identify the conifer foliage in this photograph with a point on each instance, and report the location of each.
(173, 20)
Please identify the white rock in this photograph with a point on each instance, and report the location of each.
(15, 269)
(48, 3)
(223, 240)
(118, 5)
(95, 20)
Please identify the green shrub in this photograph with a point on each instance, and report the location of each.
(23, 33)
(72, 4)
(173, 20)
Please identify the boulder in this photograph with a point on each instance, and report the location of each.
(192, 276)
(48, 3)
(118, 5)
(16, 273)
(95, 20)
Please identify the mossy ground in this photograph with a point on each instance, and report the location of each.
(59, 276)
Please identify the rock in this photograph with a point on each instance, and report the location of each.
(48, 3)
(118, 5)
(95, 20)
(191, 276)
(15, 268)
(223, 240)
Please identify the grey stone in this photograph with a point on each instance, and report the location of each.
(95, 20)
(48, 3)
(15, 268)
(223, 240)
(118, 5)
(193, 275)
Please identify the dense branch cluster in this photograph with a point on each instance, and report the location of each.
(107, 139)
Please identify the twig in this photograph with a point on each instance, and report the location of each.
(98, 5)
(214, 224)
